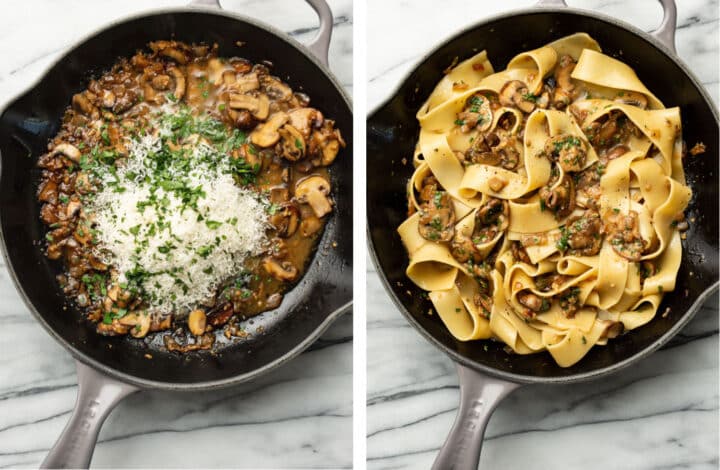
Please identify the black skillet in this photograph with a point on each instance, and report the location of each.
(487, 376)
(111, 368)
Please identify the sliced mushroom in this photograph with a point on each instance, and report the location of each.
(437, 216)
(632, 98)
(310, 226)
(172, 50)
(197, 322)
(180, 83)
(563, 94)
(108, 99)
(69, 150)
(48, 192)
(292, 143)
(259, 106)
(280, 270)
(83, 105)
(306, 120)
(624, 235)
(139, 321)
(515, 93)
(567, 150)
(559, 196)
(73, 207)
(276, 89)
(325, 144)
(533, 301)
(215, 68)
(584, 234)
(229, 78)
(519, 253)
(267, 135)
(247, 82)
(616, 152)
(491, 218)
(286, 220)
(314, 190)
(463, 249)
(477, 114)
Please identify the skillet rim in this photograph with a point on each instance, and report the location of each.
(121, 375)
(489, 370)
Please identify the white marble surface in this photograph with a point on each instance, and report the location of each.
(660, 414)
(299, 416)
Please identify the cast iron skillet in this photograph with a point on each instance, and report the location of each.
(111, 368)
(487, 376)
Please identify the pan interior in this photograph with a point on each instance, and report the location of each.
(28, 123)
(392, 133)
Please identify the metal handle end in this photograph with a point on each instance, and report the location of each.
(479, 396)
(665, 33)
(97, 396)
(320, 44)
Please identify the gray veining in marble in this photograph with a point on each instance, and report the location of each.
(299, 416)
(660, 414)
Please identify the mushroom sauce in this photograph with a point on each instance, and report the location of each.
(185, 189)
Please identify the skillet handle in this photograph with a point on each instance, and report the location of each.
(319, 45)
(665, 33)
(97, 396)
(479, 396)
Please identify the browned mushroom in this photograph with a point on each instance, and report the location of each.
(495, 148)
(550, 282)
(314, 190)
(515, 93)
(179, 78)
(570, 301)
(490, 218)
(477, 114)
(563, 94)
(632, 98)
(246, 82)
(267, 135)
(519, 253)
(276, 89)
(616, 152)
(139, 321)
(306, 120)
(292, 143)
(325, 143)
(258, 106)
(69, 150)
(463, 249)
(437, 217)
(533, 302)
(174, 50)
(82, 104)
(582, 236)
(197, 321)
(567, 150)
(623, 232)
(558, 196)
(310, 226)
(280, 270)
(286, 220)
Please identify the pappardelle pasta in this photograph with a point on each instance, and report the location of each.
(548, 199)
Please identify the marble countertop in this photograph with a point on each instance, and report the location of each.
(662, 413)
(299, 416)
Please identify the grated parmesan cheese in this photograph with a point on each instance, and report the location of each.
(185, 250)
